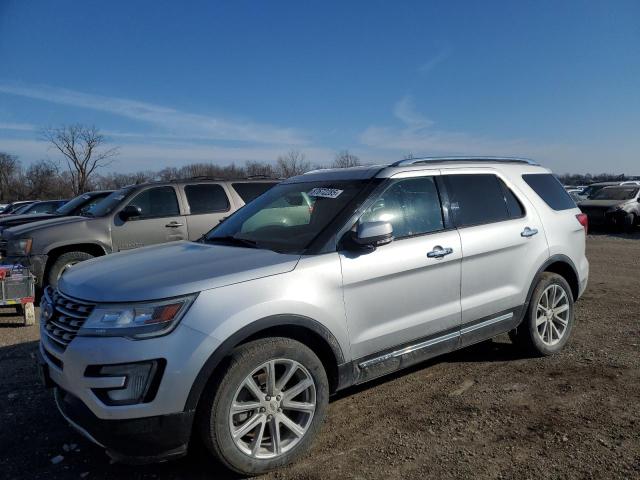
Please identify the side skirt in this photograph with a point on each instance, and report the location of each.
(402, 356)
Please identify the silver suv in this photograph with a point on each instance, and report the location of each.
(328, 280)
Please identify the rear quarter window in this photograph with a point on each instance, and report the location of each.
(550, 190)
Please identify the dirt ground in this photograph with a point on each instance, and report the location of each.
(485, 412)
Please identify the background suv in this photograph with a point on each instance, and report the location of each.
(132, 217)
(329, 279)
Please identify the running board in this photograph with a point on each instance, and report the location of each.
(432, 347)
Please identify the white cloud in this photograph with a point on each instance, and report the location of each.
(433, 62)
(419, 136)
(18, 127)
(405, 110)
(170, 120)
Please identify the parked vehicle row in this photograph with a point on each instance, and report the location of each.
(132, 217)
(327, 280)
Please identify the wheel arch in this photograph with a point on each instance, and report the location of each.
(303, 329)
(563, 266)
(53, 254)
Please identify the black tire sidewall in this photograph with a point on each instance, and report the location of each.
(535, 341)
(245, 360)
(61, 261)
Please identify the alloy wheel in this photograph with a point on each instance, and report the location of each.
(552, 314)
(272, 409)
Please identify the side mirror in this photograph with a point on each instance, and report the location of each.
(374, 234)
(129, 212)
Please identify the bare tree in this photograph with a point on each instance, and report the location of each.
(292, 163)
(82, 150)
(43, 180)
(344, 159)
(259, 169)
(9, 169)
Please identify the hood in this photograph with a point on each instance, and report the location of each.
(602, 203)
(26, 228)
(13, 220)
(169, 270)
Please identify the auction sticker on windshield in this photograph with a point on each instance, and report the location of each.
(325, 192)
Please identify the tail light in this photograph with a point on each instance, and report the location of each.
(584, 221)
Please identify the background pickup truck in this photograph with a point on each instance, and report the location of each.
(132, 217)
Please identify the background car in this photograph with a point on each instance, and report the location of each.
(45, 206)
(11, 208)
(77, 206)
(617, 207)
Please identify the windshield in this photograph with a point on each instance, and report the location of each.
(616, 193)
(19, 209)
(107, 205)
(76, 205)
(288, 217)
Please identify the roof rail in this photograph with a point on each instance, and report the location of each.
(413, 161)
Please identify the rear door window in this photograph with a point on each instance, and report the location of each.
(157, 202)
(249, 191)
(475, 199)
(206, 198)
(550, 190)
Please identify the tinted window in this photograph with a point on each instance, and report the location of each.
(157, 202)
(550, 190)
(411, 205)
(516, 210)
(616, 193)
(206, 198)
(43, 207)
(249, 191)
(475, 199)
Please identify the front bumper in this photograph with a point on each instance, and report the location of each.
(35, 263)
(154, 429)
(138, 440)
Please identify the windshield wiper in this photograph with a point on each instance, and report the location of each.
(231, 240)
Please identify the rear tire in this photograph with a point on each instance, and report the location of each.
(262, 406)
(548, 322)
(62, 263)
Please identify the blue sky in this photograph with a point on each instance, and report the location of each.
(178, 82)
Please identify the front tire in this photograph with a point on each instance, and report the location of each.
(549, 319)
(268, 408)
(62, 263)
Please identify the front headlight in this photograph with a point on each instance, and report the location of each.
(136, 320)
(19, 247)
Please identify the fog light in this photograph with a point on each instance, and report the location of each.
(140, 385)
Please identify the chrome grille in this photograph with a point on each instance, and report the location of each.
(68, 315)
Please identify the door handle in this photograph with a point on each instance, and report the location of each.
(439, 252)
(528, 232)
(174, 224)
